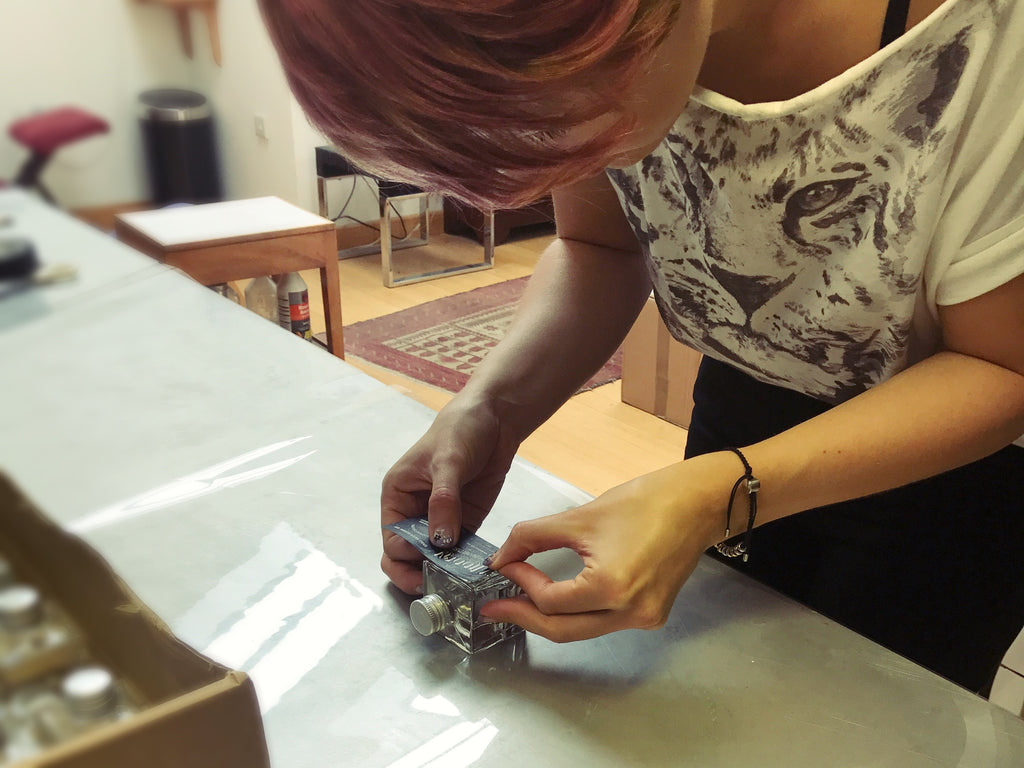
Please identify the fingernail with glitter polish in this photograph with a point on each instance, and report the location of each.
(442, 538)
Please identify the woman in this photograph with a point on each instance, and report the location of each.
(837, 224)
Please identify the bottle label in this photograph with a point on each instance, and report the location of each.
(298, 311)
(294, 313)
(465, 560)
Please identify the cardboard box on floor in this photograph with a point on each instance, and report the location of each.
(195, 712)
(657, 371)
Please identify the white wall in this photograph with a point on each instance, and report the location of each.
(249, 83)
(101, 54)
(98, 54)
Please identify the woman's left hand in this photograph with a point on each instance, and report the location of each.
(639, 543)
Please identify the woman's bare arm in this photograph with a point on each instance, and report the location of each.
(640, 541)
(583, 297)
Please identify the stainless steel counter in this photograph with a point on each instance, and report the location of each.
(230, 473)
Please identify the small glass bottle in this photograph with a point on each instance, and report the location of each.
(6, 572)
(88, 697)
(34, 640)
(451, 605)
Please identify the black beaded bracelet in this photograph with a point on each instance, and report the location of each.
(741, 547)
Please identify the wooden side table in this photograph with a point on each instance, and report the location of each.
(220, 242)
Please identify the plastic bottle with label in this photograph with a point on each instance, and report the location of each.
(293, 305)
(261, 298)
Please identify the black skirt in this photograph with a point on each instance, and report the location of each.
(931, 570)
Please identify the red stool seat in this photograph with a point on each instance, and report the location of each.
(47, 132)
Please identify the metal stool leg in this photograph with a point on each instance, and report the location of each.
(390, 278)
(387, 245)
(321, 191)
(321, 195)
(29, 176)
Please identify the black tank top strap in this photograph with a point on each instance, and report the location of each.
(895, 21)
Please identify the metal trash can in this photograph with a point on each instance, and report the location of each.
(180, 146)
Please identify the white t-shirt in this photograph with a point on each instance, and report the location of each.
(808, 242)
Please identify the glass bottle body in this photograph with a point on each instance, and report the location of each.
(46, 713)
(451, 607)
(35, 638)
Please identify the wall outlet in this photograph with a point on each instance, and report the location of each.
(260, 125)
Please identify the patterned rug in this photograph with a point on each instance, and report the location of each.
(441, 342)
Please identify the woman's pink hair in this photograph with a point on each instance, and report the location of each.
(473, 98)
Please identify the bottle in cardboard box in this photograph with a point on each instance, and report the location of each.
(89, 697)
(35, 639)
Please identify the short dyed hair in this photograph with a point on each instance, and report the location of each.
(476, 99)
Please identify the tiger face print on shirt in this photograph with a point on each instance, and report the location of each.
(789, 243)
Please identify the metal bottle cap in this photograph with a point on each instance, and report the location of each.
(90, 692)
(20, 606)
(429, 614)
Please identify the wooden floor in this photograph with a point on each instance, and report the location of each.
(594, 441)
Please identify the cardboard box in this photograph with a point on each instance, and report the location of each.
(657, 371)
(194, 712)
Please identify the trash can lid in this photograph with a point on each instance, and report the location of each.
(173, 105)
(18, 259)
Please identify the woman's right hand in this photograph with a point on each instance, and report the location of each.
(452, 475)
